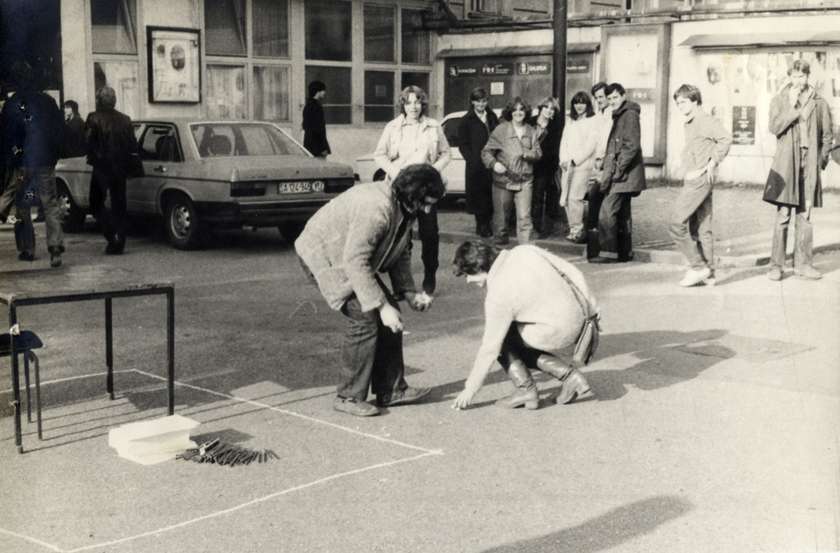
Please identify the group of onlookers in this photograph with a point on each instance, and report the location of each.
(35, 136)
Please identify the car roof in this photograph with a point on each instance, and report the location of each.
(199, 121)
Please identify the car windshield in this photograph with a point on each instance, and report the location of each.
(243, 139)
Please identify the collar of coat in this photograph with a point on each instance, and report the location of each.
(424, 122)
(626, 106)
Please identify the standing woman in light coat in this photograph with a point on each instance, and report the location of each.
(413, 137)
(577, 155)
(511, 152)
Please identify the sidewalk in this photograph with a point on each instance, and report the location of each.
(742, 224)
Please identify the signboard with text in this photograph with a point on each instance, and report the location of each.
(743, 125)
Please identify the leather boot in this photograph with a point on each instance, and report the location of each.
(574, 387)
(525, 392)
(549, 364)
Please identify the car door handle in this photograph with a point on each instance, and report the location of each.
(160, 169)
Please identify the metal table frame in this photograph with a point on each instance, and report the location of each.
(15, 300)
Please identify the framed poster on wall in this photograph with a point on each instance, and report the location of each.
(636, 56)
(174, 65)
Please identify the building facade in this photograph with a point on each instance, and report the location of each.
(252, 59)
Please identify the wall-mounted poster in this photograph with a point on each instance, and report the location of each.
(743, 125)
(174, 65)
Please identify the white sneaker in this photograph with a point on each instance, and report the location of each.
(693, 277)
(424, 298)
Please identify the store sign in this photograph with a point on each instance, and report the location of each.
(641, 95)
(497, 69)
(462, 71)
(577, 66)
(743, 125)
(533, 68)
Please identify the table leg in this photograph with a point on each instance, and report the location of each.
(170, 348)
(109, 348)
(13, 359)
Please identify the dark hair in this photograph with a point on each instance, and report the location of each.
(507, 114)
(417, 181)
(315, 87)
(478, 93)
(598, 86)
(689, 91)
(581, 98)
(474, 257)
(800, 65)
(615, 87)
(106, 98)
(421, 95)
(22, 75)
(72, 105)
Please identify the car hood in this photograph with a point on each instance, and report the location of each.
(249, 168)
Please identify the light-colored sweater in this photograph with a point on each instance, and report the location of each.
(580, 140)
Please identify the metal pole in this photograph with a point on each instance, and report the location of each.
(109, 347)
(13, 361)
(170, 349)
(559, 56)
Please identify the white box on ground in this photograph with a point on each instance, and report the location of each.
(153, 441)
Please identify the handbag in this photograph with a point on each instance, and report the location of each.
(587, 342)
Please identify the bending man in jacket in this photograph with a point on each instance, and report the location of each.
(801, 121)
(623, 177)
(360, 233)
(535, 308)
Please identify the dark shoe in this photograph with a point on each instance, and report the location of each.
(26, 256)
(429, 284)
(807, 272)
(114, 248)
(55, 259)
(599, 259)
(574, 387)
(402, 397)
(353, 406)
(484, 231)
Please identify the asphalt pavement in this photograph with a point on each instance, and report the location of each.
(714, 426)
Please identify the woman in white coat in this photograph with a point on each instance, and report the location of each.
(577, 155)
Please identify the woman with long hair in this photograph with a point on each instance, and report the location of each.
(510, 153)
(545, 200)
(577, 155)
(411, 138)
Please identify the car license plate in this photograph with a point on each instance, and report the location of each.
(300, 187)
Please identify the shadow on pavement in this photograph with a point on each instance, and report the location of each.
(665, 358)
(606, 531)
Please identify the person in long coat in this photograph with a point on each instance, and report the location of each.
(473, 132)
(545, 201)
(314, 122)
(623, 177)
(801, 121)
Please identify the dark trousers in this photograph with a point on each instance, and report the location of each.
(479, 181)
(545, 200)
(615, 228)
(371, 354)
(593, 241)
(427, 227)
(106, 183)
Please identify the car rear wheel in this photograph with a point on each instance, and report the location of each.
(291, 231)
(183, 226)
(72, 217)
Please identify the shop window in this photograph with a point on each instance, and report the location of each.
(224, 24)
(415, 41)
(226, 92)
(338, 102)
(122, 77)
(328, 30)
(410, 78)
(271, 93)
(114, 26)
(379, 96)
(379, 33)
(271, 28)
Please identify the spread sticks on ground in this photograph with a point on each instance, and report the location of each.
(220, 453)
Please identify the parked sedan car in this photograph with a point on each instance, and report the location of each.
(203, 175)
(366, 167)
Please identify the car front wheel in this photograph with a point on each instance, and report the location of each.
(72, 217)
(183, 227)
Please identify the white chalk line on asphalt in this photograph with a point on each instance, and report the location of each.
(68, 378)
(423, 453)
(294, 414)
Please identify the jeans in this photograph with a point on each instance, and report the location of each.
(691, 228)
(616, 225)
(52, 213)
(544, 201)
(503, 199)
(371, 354)
(113, 221)
(803, 245)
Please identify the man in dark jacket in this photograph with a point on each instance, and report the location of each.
(74, 131)
(314, 122)
(623, 177)
(801, 121)
(32, 128)
(110, 145)
(473, 132)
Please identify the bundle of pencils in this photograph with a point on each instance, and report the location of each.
(220, 453)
